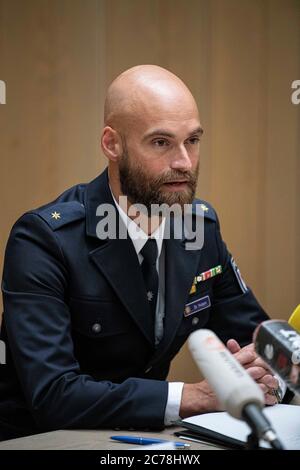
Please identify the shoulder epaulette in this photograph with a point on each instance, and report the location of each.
(61, 213)
(207, 210)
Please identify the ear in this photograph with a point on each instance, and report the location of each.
(111, 143)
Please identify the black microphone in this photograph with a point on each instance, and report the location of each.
(278, 344)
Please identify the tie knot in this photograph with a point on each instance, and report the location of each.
(150, 251)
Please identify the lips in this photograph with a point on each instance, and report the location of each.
(177, 182)
(176, 185)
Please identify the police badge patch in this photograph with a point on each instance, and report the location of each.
(238, 276)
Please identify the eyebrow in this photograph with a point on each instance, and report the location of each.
(164, 133)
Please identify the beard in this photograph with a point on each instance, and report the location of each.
(142, 188)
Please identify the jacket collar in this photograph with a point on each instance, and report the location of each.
(97, 192)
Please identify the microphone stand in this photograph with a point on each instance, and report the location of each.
(252, 442)
(260, 428)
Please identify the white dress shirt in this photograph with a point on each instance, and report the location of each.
(139, 239)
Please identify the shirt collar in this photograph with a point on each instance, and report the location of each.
(137, 235)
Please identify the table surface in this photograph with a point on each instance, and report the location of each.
(91, 440)
(98, 439)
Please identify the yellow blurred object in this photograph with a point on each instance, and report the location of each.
(294, 319)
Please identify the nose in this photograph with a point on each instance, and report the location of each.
(181, 160)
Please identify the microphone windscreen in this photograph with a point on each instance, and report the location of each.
(278, 344)
(231, 383)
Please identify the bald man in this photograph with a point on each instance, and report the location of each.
(91, 323)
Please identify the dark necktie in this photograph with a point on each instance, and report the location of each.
(150, 252)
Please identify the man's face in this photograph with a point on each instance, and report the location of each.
(160, 161)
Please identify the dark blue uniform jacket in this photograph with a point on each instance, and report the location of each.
(79, 337)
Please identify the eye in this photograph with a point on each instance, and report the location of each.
(194, 140)
(160, 142)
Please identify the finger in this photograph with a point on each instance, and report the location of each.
(257, 373)
(260, 363)
(244, 357)
(264, 388)
(270, 399)
(233, 346)
(270, 381)
(250, 347)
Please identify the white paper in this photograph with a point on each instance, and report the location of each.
(285, 420)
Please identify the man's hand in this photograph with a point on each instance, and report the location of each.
(200, 398)
(256, 367)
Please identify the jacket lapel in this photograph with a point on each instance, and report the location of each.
(117, 259)
(118, 262)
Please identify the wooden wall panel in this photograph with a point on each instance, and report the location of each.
(52, 59)
(282, 244)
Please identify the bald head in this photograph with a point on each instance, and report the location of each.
(147, 91)
(151, 137)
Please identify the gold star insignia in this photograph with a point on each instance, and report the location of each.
(204, 207)
(55, 215)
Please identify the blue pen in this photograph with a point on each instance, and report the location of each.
(146, 440)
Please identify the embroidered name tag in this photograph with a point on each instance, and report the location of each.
(197, 306)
